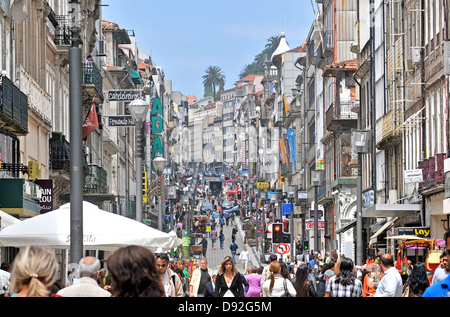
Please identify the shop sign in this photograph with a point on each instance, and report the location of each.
(422, 232)
(157, 127)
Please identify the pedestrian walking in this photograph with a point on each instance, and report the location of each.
(441, 271)
(210, 286)
(417, 281)
(265, 275)
(104, 279)
(254, 282)
(244, 257)
(221, 239)
(391, 284)
(171, 282)
(34, 272)
(134, 273)
(213, 238)
(345, 283)
(229, 282)
(303, 286)
(441, 288)
(204, 244)
(277, 285)
(233, 249)
(200, 277)
(87, 286)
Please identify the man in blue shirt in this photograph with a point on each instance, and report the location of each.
(442, 288)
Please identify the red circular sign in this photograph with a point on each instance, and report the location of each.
(283, 248)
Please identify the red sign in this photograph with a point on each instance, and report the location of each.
(310, 224)
(283, 248)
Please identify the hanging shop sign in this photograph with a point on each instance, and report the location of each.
(157, 127)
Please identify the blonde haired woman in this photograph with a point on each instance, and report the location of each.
(34, 272)
(277, 285)
(229, 282)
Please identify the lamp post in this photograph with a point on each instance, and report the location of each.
(159, 163)
(316, 181)
(138, 109)
(291, 195)
(360, 145)
(76, 138)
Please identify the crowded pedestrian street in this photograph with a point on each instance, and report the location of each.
(225, 151)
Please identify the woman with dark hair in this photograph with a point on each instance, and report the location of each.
(229, 282)
(302, 284)
(134, 273)
(417, 282)
(345, 283)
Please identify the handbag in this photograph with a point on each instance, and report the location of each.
(406, 292)
(286, 293)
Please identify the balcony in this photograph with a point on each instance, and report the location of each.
(13, 109)
(60, 154)
(386, 132)
(432, 171)
(62, 31)
(92, 83)
(340, 116)
(96, 182)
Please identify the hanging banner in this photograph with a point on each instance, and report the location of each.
(291, 139)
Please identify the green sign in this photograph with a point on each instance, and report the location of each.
(157, 128)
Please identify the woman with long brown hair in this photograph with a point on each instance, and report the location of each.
(134, 273)
(303, 285)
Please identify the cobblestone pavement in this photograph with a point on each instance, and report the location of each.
(216, 255)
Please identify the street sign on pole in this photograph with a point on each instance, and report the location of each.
(121, 121)
(124, 95)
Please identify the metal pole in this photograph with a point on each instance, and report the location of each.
(139, 156)
(160, 203)
(76, 136)
(292, 231)
(316, 221)
(359, 247)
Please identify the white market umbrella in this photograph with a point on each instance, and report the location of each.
(101, 231)
(7, 220)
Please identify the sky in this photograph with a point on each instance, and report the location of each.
(185, 37)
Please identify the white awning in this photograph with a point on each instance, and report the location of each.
(385, 227)
(391, 210)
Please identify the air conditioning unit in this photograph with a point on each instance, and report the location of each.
(415, 55)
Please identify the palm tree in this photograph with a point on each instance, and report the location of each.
(213, 77)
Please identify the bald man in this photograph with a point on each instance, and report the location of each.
(87, 286)
(391, 284)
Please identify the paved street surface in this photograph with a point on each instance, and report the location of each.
(215, 256)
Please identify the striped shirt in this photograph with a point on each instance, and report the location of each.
(336, 289)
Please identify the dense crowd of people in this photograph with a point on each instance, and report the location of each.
(135, 271)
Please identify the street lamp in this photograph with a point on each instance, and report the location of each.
(159, 163)
(316, 181)
(360, 145)
(138, 109)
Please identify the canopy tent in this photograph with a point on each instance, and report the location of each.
(101, 231)
(7, 220)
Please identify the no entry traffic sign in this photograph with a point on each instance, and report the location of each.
(283, 248)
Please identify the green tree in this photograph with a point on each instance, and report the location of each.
(257, 66)
(213, 78)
